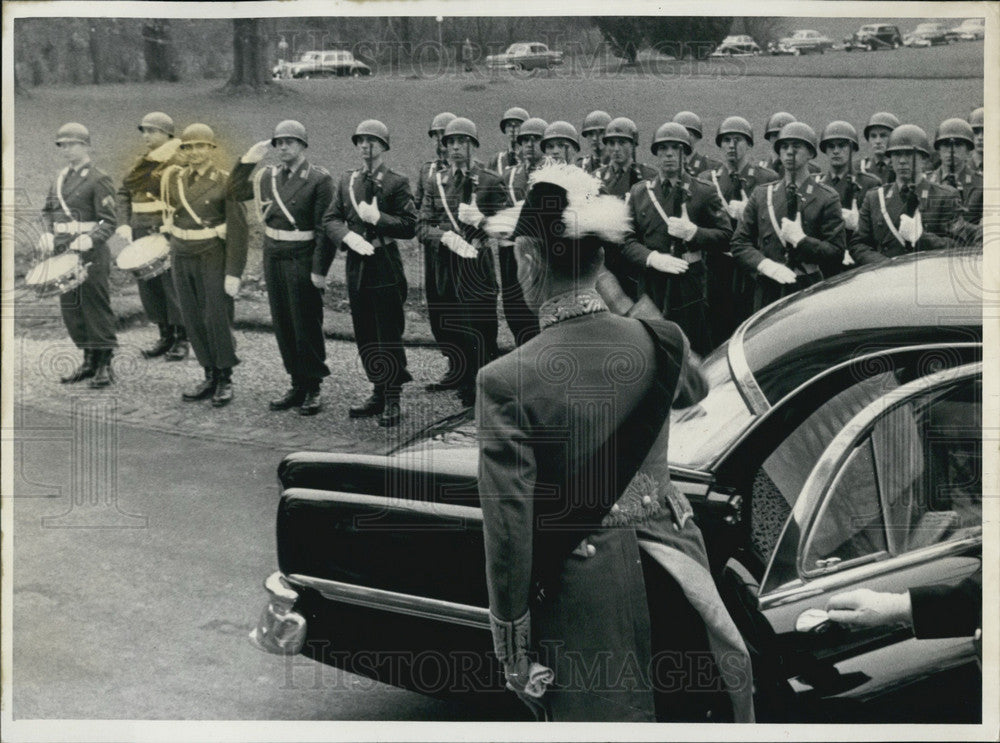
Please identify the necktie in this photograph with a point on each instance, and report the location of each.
(286, 173)
(736, 187)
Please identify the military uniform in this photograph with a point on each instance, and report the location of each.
(682, 298)
(757, 237)
(590, 164)
(82, 202)
(291, 206)
(775, 165)
(619, 182)
(504, 160)
(969, 184)
(851, 189)
(699, 163)
(881, 169)
(376, 284)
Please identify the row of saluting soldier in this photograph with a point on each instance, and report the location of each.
(711, 241)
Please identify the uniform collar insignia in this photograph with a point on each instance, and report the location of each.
(569, 305)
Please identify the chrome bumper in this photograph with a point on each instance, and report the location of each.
(279, 629)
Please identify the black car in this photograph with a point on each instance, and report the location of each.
(839, 447)
(874, 36)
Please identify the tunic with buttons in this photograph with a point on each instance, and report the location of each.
(851, 189)
(619, 182)
(969, 184)
(698, 163)
(880, 168)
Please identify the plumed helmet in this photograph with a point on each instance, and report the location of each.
(955, 129)
(976, 118)
(734, 125)
(690, 121)
(439, 123)
(198, 134)
(461, 125)
(561, 130)
(73, 132)
(907, 137)
(516, 113)
(839, 130)
(595, 121)
(533, 126)
(621, 128)
(672, 131)
(775, 123)
(290, 128)
(157, 120)
(373, 128)
(798, 132)
(883, 119)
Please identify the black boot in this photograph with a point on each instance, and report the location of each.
(85, 371)
(102, 372)
(223, 388)
(391, 414)
(291, 399)
(374, 405)
(311, 403)
(204, 390)
(467, 395)
(162, 345)
(180, 348)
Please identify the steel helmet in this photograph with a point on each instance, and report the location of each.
(799, 132)
(561, 130)
(734, 125)
(513, 114)
(672, 131)
(198, 134)
(976, 119)
(839, 130)
(908, 137)
(440, 121)
(595, 121)
(290, 128)
(533, 126)
(621, 128)
(883, 119)
(776, 122)
(373, 128)
(690, 121)
(955, 129)
(461, 125)
(73, 132)
(157, 120)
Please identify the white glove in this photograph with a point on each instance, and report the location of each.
(666, 263)
(530, 681)
(457, 245)
(165, 151)
(850, 217)
(369, 212)
(257, 152)
(776, 271)
(791, 232)
(909, 228)
(81, 244)
(682, 226)
(736, 208)
(318, 280)
(863, 607)
(125, 232)
(232, 285)
(358, 244)
(470, 214)
(46, 243)
(848, 260)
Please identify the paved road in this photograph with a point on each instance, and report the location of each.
(139, 607)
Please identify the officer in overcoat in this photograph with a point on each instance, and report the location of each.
(140, 213)
(79, 216)
(373, 207)
(954, 141)
(698, 162)
(290, 199)
(791, 233)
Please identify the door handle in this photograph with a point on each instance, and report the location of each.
(812, 621)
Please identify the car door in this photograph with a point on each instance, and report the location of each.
(894, 501)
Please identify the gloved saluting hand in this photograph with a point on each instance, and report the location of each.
(257, 152)
(776, 271)
(358, 244)
(458, 245)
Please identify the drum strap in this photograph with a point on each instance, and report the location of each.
(887, 218)
(444, 203)
(184, 202)
(770, 212)
(59, 194)
(263, 207)
(277, 197)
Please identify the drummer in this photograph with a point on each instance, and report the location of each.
(79, 215)
(140, 213)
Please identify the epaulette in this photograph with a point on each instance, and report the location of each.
(319, 168)
(944, 186)
(701, 180)
(826, 187)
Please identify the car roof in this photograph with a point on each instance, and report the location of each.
(933, 297)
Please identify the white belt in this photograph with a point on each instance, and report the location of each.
(145, 207)
(205, 234)
(73, 228)
(289, 235)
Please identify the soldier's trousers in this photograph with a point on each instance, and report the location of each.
(682, 299)
(523, 323)
(475, 312)
(158, 295)
(296, 313)
(723, 299)
(439, 291)
(205, 307)
(86, 310)
(379, 322)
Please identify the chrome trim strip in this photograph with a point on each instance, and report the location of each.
(391, 503)
(740, 369)
(401, 603)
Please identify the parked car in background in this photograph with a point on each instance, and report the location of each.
(802, 42)
(525, 56)
(740, 45)
(915, 42)
(935, 33)
(874, 36)
(337, 63)
(971, 29)
(839, 447)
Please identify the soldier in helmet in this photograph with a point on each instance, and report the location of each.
(774, 125)
(372, 208)
(676, 220)
(839, 143)
(454, 208)
(976, 121)
(140, 213)
(911, 213)
(79, 216)
(593, 128)
(510, 125)
(560, 142)
(877, 132)
(208, 252)
(698, 162)
(955, 142)
(290, 199)
(792, 232)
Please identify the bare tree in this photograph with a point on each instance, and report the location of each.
(763, 29)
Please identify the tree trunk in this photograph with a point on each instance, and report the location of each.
(95, 52)
(251, 71)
